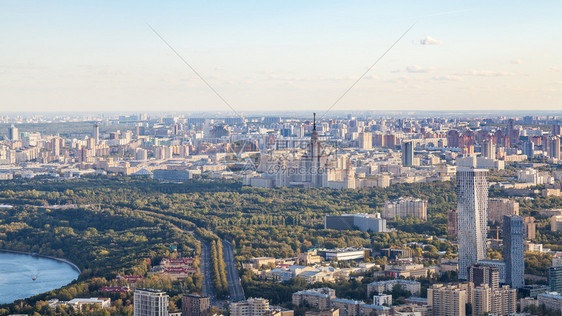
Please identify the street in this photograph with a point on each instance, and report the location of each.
(206, 271)
(234, 284)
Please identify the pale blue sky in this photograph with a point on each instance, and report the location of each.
(280, 55)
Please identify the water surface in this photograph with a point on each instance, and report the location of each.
(17, 271)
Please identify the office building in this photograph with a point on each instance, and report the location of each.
(472, 206)
(498, 207)
(149, 302)
(513, 250)
(251, 307)
(555, 279)
(447, 300)
(362, 222)
(408, 154)
(484, 275)
(405, 207)
(195, 305)
(344, 254)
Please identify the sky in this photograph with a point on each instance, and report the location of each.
(280, 55)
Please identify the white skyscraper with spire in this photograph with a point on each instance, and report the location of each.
(472, 207)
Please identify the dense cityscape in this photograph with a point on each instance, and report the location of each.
(287, 213)
(280, 158)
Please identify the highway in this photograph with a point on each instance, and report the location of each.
(234, 284)
(206, 271)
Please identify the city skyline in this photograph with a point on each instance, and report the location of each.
(280, 56)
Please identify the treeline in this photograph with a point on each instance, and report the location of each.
(123, 225)
(104, 242)
(220, 281)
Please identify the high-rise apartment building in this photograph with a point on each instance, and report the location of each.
(556, 130)
(149, 302)
(498, 207)
(529, 149)
(13, 133)
(141, 154)
(556, 223)
(251, 307)
(488, 149)
(365, 140)
(408, 154)
(501, 301)
(513, 250)
(452, 222)
(484, 275)
(529, 227)
(554, 147)
(96, 133)
(446, 300)
(472, 206)
(405, 207)
(195, 305)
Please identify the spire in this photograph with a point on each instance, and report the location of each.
(314, 124)
(314, 135)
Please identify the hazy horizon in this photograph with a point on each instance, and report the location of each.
(280, 56)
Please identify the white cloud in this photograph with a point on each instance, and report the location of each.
(418, 69)
(488, 73)
(517, 61)
(448, 78)
(556, 69)
(428, 40)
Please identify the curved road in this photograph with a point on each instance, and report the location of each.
(234, 283)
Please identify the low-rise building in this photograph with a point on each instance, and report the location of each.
(551, 300)
(317, 298)
(405, 207)
(380, 287)
(250, 307)
(344, 254)
(324, 312)
(262, 261)
(408, 271)
(347, 307)
(382, 299)
(362, 222)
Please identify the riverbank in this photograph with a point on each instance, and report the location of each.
(70, 263)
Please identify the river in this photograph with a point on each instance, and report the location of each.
(18, 270)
